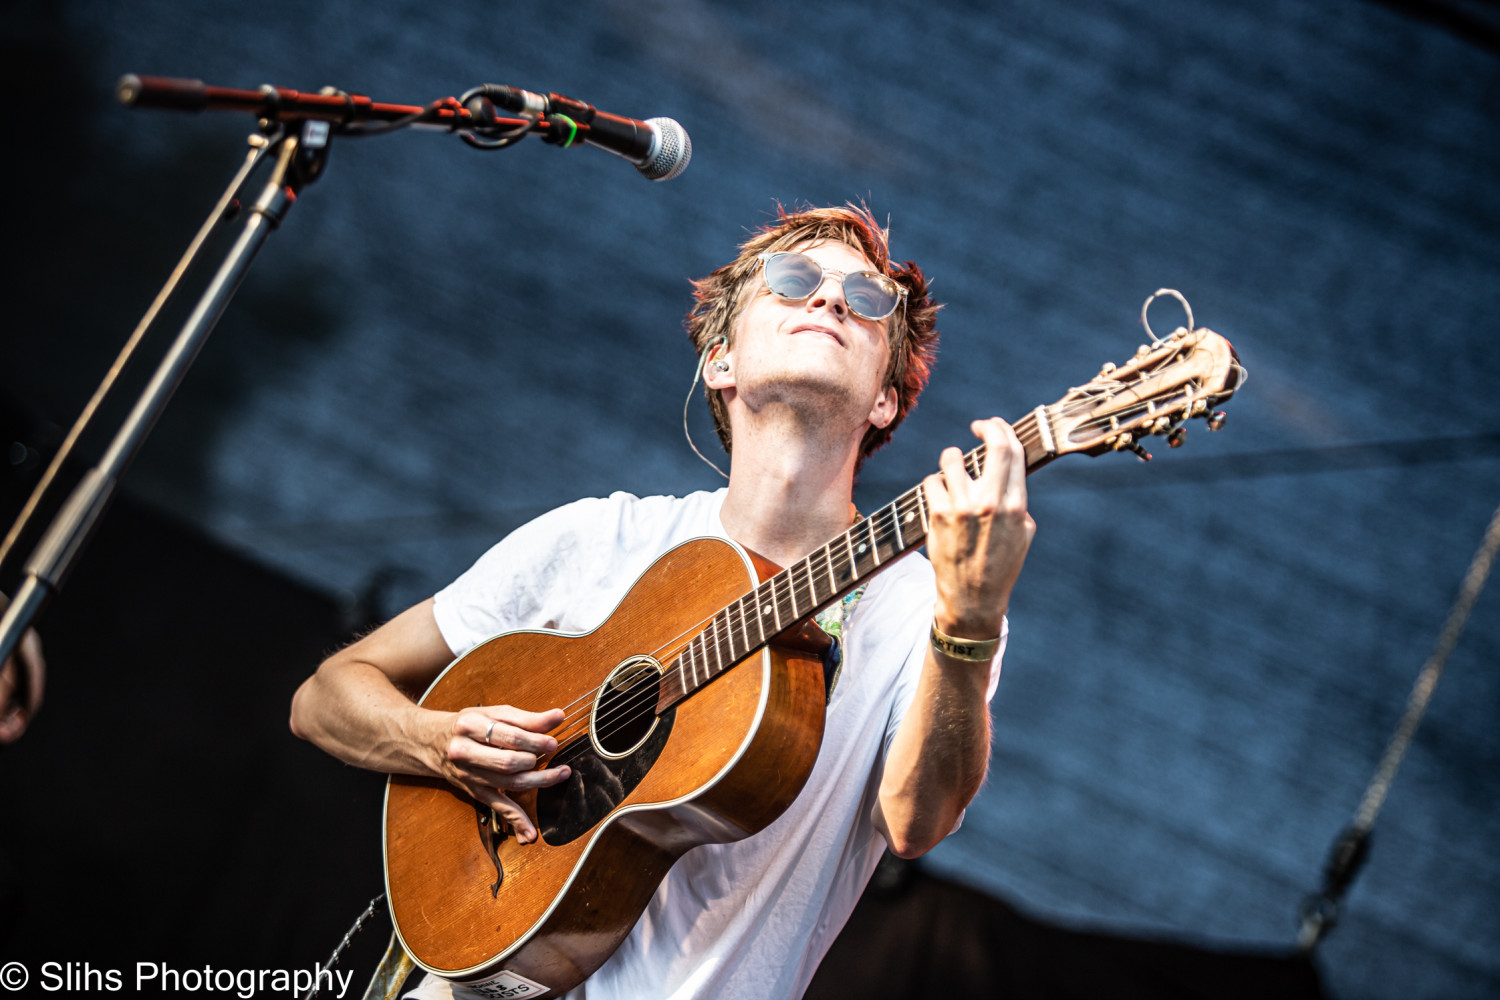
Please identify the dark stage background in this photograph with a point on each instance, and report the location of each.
(1208, 653)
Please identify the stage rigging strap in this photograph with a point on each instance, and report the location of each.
(1319, 911)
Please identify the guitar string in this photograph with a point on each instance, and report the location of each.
(576, 711)
(645, 691)
(904, 509)
(1027, 435)
(628, 707)
(794, 585)
(1089, 395)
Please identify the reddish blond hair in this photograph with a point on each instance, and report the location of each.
(911, 334)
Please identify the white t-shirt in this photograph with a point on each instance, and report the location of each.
(753, 918)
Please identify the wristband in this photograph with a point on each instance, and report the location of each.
(972, 650)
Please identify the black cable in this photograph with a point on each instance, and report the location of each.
(385, 128)
(510, 138)
(349, 108)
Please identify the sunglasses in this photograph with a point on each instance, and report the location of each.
(795, 276)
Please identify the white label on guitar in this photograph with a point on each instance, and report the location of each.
(508, 986)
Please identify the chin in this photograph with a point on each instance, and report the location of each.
(816, 392)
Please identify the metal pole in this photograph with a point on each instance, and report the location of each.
(70, 530)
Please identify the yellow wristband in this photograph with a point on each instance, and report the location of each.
(973, 650)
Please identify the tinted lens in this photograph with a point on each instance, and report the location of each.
(871, 295)
(793, 276)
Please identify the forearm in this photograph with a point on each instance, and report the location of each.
(352, 710)
(939, 756)
(358, 707)
(978, 535)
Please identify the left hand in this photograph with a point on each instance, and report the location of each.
(978, 533)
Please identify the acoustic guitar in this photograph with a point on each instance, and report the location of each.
(694, 713)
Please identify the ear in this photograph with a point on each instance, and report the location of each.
(884, 410)
(712, 377)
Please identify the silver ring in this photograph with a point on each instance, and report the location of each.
(487, 733)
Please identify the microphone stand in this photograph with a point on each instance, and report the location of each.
(298, 158)
(294, 134)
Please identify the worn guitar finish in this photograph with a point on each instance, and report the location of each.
(694, 715)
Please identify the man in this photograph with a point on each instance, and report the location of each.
(816, 345)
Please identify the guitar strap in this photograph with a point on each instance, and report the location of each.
(833, 620)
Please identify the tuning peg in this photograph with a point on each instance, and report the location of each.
(1216, 422)
(1177, 436)
(1145, 455)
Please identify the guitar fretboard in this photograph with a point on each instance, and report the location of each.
(827, 574)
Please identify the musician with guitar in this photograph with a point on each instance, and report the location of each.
(814, 346)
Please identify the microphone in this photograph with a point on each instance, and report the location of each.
(659, 147)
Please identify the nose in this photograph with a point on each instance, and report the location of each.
(828, 297)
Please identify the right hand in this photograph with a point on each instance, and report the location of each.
(494, 749)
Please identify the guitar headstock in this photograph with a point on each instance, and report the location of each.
(1179, 377)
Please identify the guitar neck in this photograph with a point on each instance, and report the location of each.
(785, 600)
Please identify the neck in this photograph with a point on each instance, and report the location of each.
(788, 494)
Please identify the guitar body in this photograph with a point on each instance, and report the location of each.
(469, 902)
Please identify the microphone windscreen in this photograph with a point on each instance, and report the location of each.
(673, 152)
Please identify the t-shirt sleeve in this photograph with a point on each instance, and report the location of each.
(525, 580)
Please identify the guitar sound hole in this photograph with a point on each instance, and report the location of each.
(625, 709)
(601, 777)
